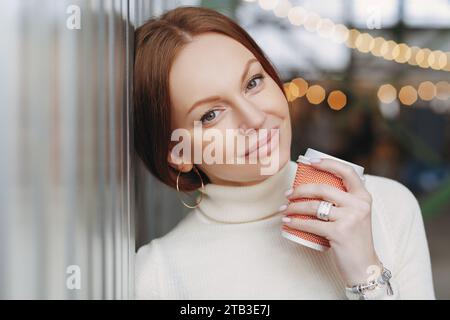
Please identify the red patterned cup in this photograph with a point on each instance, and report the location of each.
(308, 174)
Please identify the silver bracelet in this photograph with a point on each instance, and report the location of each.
(381, 281)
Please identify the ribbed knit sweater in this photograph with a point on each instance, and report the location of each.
(231, 247)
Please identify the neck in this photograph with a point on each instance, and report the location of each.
(218, 181)
(245, 203)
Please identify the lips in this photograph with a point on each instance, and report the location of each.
(265, 140)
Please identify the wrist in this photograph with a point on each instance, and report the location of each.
(374, 288)
(358, 276)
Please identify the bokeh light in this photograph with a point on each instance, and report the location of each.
(337, 100)
(401, 53)
(387, 49)
(315, 94)
(407, 95)
(312, 21)
(287, 90)
(364, 42)
(340, 34)
(282, 9)
(267, 4)
(352, 37)
(426, 90)
(325, 28)
(443, 90)
(297, 15)
(301, 87)
(387, 93)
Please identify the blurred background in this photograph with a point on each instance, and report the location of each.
(367, 81)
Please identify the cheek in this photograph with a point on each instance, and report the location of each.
(274, 100)
(219, 141)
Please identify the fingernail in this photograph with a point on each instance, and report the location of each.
(315, 160)
(289, 192)
(286, 219)
(282, 208)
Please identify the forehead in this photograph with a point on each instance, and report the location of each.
(206, 66)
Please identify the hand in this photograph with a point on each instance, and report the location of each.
(349, 229)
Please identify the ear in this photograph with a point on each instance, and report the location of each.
(176, 162)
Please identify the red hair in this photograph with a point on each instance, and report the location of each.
(157, 43)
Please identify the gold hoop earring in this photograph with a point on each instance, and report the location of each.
(201, 193)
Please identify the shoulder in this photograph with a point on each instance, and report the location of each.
(153, 259)
(152, 253)
(147, 258)
(387, 184)
(147, 271)
(390, 192)
(149, 250)
(393, 205)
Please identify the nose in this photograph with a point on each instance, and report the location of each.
(251, 117)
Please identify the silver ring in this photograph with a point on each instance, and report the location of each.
(323, 211)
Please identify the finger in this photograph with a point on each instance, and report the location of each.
(309, 208)
(322, 191)
(318, 227)
(351, 180)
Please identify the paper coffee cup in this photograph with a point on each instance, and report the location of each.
(308, 174)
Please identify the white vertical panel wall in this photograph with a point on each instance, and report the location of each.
(66, 159)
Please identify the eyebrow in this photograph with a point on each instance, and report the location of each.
(215, 98)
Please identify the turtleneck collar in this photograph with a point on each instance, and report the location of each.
(237, 204)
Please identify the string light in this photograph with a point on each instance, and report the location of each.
(442, 90)
(282, 9)
(412, 59)
(401, 53)
(287, 90)
(312, 21)
(437, 60)
(387, 49)
(377, 44)
(422, 58)
(337, 100)
(326, 28)
(387, 93)
(353, 35)
(315, 94)
(407, 95)
(426, 91)
(340, 33)
(298, 87)
(365, 43)
(297, 15)
(267, 4)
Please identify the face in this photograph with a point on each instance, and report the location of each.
(232, 109)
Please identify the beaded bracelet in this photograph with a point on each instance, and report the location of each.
(381, 281)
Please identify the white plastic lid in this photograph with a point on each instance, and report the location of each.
(312, 153)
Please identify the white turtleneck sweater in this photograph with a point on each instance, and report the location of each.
(231, 247)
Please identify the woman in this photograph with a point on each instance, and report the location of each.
(229, 246)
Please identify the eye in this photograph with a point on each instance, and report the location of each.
(210, 116)
(253, 81)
